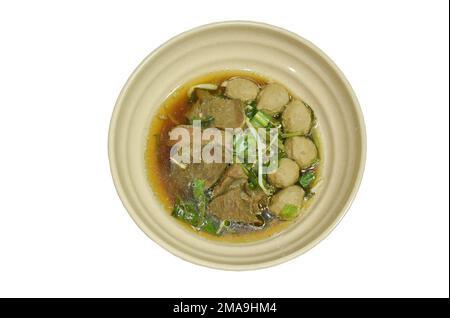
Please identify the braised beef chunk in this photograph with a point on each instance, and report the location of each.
(177, 139)
(234, 205)
(226, 113)
(233, 177)
(202, 94)
(233, 199)
(259, 199)
(182, 178)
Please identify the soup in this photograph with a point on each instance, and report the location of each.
(262, 146)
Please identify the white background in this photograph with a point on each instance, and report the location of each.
(63, 229)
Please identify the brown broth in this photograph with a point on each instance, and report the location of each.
(157, 152)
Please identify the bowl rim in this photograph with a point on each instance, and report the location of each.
(217, 265)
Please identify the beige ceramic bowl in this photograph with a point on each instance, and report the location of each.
(279, 55)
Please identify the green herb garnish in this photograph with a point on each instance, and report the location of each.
(250, 109)
(193, 212)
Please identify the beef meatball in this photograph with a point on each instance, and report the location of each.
(302, 150)
(297, 118)
(287, 203)
(287, 174)
(272, 99)
(241, 88)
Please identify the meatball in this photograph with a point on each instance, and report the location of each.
(286, 174)
(287, 203)
(272, 99)
(297, 118)
(302, 150)
(241, 88)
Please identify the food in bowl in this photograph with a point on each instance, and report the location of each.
(296, 64)
(235, 156)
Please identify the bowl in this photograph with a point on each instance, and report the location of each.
(272, 52)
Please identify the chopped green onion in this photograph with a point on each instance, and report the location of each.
(250, 109)
(291, 134)
(307, 178)
(210, 226)
(289, 211)
(198, 190)
(194, 212)
(225, 224)
(261, 120)
(251, 175)
(240, 144)
(186, 211)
